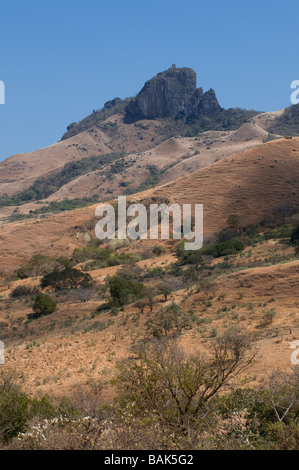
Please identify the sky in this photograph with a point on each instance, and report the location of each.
(61, 59)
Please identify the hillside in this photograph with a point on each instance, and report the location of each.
(80, 317)
(250, 183)
(191, 301)
(86, 174)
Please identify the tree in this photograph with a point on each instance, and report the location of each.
(82, 294)
(164, 289)
(44, 305)
(68, 278)
(295, 238)
(169, 321)
(165, 383)
(150, 295)
(125, 290)
(23, 291)
(38, 265)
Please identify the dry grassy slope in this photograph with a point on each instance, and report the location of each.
(20, 171)
(250, 183)
(55, 236)
(280, 282)
(176, 156)
(249, 294)
(61, 350)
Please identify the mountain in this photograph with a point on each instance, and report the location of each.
(170, 128)
(172, 143)
(173, 97)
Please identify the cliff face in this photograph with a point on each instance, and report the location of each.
(169, 94)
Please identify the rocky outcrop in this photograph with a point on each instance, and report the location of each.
(202, 104)
(170, 94)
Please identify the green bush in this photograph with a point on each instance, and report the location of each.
(13, 407)
(44, 305)
(295, 235)
(158, 250)
(124, 290)
(215, 250)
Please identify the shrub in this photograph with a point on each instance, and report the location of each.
(268, 317)
(23, 291)
(13, 407)
(214, 250)
(233, 220)
(158, 250)
(169, 322)
(44, 305)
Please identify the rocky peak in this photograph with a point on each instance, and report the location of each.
(169, 94)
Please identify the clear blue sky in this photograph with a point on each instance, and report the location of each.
(60, 59)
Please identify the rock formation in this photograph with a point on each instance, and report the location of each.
(172, 93)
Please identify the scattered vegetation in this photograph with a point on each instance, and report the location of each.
(288, 123)
(43, 187)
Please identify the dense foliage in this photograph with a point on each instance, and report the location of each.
(69, 278)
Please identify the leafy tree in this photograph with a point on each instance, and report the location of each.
(164, 289)
(68, 278)
(295, 238)
(125, 290)
(169, 322)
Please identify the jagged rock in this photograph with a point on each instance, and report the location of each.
(169, 94)
(112, 103)
(165, 95)
(202, 104)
